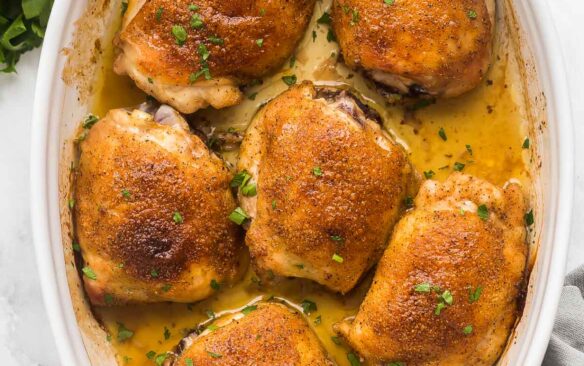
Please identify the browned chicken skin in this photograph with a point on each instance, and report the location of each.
(151, 208)
(446, 290)
(435, 47)
(270, 334)
(166, 46)
(330, 186)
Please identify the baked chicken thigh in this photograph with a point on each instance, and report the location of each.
(446, 290)
(330, 185)
(151, 211)
(434, 47)
(192, 54)
(267, 334)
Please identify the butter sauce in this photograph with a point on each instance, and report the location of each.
(484, 130)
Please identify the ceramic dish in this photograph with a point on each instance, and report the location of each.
(59, 107)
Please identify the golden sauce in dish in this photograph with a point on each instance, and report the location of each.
(484, 130)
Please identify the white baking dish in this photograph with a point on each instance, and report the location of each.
(57, 111)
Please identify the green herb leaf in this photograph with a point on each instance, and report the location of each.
(248, 309)
(317, 171)
(180, 34)
(389, 2)
(325, 18)
(249, 190)
(124, 333)
(422, 287)
(215, 285)
(429, 174)
(442, 134)
(289, 79)
(308, 306)
(177, 217)
(189, 362)
(166, 333)
(88, 272)
(196, 21)
(529, 219)
(526, 143)
(238, 216)
(459, 166)
(472, 14)
(467, 330)
(337, 258)
(214, 355)
(483, 212)
(474, 296)
(353, 359)
(260, 42)
(336, 340)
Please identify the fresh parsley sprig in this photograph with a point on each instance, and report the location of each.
(22, 28)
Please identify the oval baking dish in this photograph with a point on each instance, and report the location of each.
(58, 110)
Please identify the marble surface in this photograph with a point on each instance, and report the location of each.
(25, 337)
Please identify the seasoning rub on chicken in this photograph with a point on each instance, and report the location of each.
(192, 54)
(151, 212)
(446, 291)
(323, 185)
(429, 47)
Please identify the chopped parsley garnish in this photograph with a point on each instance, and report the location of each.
(240, 179)
(214, 355)
(308, 306)
(212, 327)
(467, 330)
(262, 12)
(166, 287)
(216, 40)
(473, 296)
(154, 273)
(177, 217)
(180, 34)
(238, 216)
(313, 36)
(325, 18)
(330, 36)
(389, 2)
(337, 258)
(215, 285)
(189, 362)
(459, 166)
(273, 204)
(529, 220)
(252, 96)
(260, 42)
(90, 120)
(398, 363)
(289, 79)
(318, 320)
(526, 143)
(76, 247)
(469, 149)
(442, 134)
(409, 202)
(210, 314)
(248, 309)
(159, 12)
(71, 203)
(339, 239)
(193, 7)
(150, 355)
(472, 14)
(317, 171)
(249, 190)
(429, 174)
(126, 193)
(355, 17)
(160, 359)
(483, 212)
(353, 359)
(196, 21)
(108, 299)
(422, 287)
(336, 340)
(447, 297)
(439, 307)
(88, 272)
(166, 333)
(203, 52)
(124, 333)
(292, 61)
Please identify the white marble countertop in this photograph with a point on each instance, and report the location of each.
(25, 337)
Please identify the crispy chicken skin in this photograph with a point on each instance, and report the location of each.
(271, 335)
(435, 47)
(329, 181)
(245, 40)
(444, 245)
(151, 208)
